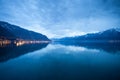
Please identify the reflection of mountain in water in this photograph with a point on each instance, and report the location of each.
(13, 51)
(108, 47)
(108, 40)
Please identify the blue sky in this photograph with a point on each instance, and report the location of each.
(59, 18)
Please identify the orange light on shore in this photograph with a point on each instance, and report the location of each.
(19, 42)
(22, 42)
(4, 42)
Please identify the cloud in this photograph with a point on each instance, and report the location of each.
(58, 18)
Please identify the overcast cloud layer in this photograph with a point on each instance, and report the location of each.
(59, 18)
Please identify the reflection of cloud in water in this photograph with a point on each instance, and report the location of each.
(67, 49)
(58, 49)
(74, 48)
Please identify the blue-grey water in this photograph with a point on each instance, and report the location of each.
(59, 62)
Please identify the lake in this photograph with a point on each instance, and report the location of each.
(59, 62)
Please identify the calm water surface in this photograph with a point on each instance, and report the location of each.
(59, 62)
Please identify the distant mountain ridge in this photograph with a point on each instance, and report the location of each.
(107, 35)
(10, 31)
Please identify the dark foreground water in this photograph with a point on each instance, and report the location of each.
(59, 62)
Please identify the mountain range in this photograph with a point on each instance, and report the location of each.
(12, 32)
(110, 35)
(108, 40)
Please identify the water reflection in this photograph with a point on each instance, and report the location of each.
(12, 50)
(58, 62)
(108, 47)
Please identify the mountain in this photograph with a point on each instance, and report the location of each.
(9, 31)
(111, 35)
(108, 41)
